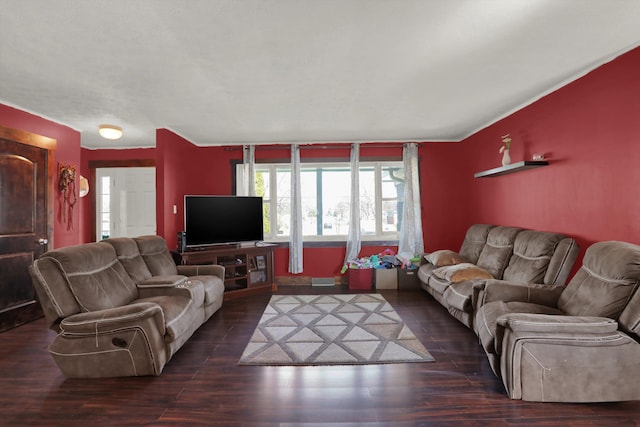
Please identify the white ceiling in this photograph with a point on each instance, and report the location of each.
(222, 72)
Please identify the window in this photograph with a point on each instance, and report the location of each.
(104, 227)
(326, 198)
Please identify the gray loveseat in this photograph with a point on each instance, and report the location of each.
(121, 307)
(455, 279)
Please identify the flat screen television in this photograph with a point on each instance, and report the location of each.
(211, 220)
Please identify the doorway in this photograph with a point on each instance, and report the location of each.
(94, 165)
(125, 202)
(26, 219)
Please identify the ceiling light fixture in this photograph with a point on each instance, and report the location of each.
(110, 131)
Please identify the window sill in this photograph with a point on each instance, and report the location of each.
(336, 243)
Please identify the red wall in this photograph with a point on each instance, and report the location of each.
(445, 194)
(67, 152)
(590, 132)
(184, 168)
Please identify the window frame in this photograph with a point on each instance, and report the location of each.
(377, 164)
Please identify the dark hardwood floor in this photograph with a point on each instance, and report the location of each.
(202, 385)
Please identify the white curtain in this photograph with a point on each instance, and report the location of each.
(295, 229)
(354, 240)
(410, 242)
(249, 161)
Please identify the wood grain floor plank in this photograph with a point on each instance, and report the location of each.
(203, 385)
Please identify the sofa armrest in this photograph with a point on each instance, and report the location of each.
(191, 289)
(477, 292)
(501, 290)
(131, 315)
(545, 323)
(162, 281)
(202, 270)
(423, 258)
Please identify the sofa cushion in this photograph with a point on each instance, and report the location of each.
(425, 271)
(605, 283)
(496, 253)
(213, 287)
(156, 255)
(532, 252)
(444, 257)
(458, 296)
(96, 278)
(130, 258)
(180, 314)
(437, 284)
(474, 241)
(461, 272)
(562, 262)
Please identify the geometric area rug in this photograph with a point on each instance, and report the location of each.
(344, 329)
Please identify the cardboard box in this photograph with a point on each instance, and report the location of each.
(408, 278)
(360, 278)
(386, 278)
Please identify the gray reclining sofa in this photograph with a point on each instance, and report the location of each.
(455, 279)
(121, 307)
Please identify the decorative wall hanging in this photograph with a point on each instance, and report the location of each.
(67, 187)
(84, 186)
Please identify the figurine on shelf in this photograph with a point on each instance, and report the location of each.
(504, 149)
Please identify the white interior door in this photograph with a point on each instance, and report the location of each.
(126, 202)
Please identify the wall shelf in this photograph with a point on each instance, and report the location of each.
(512, 168)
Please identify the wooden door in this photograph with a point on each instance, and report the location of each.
(25, 191)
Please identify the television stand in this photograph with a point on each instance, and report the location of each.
(247, 269)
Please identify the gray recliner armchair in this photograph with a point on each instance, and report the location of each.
(577, 343)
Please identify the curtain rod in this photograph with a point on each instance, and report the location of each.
(321, 146)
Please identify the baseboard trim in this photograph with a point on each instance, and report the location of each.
(309, 281)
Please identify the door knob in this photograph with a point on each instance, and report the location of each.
(42, 242)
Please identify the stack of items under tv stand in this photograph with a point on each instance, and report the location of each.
(248, 268)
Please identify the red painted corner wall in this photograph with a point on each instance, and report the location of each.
(445, 185)
(184, 168)
(589, 131)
